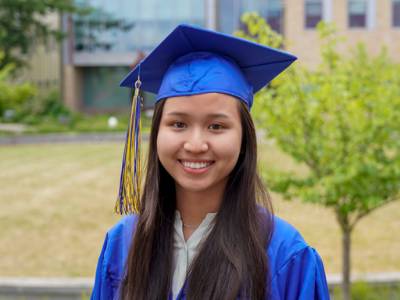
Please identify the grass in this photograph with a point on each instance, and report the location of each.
(56, 203)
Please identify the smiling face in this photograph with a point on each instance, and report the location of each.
(199, 140)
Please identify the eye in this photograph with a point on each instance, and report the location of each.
(215, 127)
(178, 124)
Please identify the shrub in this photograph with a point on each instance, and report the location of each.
(364, 291)
(45, 106)
(13, 96)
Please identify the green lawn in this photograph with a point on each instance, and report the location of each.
(56, 203)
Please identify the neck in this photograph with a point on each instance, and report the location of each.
(194, 206)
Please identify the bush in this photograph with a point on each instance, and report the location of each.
(47, 104)
(23, 103)
(44, 107)
(364, 291)
(13, 96)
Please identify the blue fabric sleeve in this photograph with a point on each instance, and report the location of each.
(101, 289)
(111, 264)
(302, 277)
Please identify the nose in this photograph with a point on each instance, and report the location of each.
(196, 143)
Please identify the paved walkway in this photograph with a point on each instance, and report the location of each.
(12, 127)
(373, 278)
(65, 138)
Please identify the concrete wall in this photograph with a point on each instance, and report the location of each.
(80, 288)
(72, 87)
(45, 288)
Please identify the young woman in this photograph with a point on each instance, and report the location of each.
(204, 227)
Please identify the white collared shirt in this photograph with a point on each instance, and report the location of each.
(185, 251)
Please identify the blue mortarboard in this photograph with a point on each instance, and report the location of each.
(189, 61)
(193, 60)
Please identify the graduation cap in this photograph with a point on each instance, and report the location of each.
(193, 60)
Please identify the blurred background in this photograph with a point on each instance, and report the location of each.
(63, 118)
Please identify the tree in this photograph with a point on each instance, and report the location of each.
(22, 24)
(341, 120)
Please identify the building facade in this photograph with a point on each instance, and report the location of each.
(372, 22)
(44, 69)
(104, 45)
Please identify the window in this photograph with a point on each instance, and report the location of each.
(396, 13)
(230, 11)
(125, 26)
(357, 13)
(275, 15)
(313, 13)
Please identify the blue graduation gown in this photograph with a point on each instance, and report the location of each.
(297, 272)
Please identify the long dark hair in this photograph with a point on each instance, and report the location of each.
(232, 260)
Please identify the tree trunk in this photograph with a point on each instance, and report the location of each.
(346, 247)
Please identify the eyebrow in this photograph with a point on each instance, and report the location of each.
(213, 115)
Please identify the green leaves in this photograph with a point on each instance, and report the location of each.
(23, 23)
(259, 31)
(13, 96)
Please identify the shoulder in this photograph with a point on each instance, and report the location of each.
(116, 246)
(122, 229)
(111, 263)
(285, 238)
(286, 242)
(296, 269)
(119, 237)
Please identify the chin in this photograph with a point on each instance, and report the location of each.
(198, 186)
(194, 188)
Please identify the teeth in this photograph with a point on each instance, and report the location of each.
(196, 165)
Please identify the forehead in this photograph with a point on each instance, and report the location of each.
(203, 105)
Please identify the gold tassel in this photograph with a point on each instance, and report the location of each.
(131, 172)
